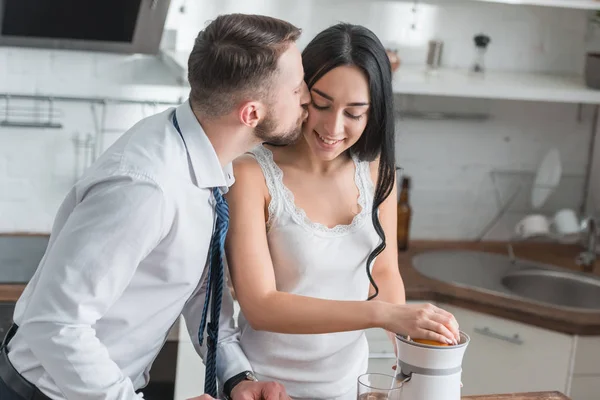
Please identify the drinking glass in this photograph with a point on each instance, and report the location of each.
(378, 387)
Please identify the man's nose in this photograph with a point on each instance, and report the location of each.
(305, 96)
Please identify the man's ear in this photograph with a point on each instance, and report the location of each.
(251, 113)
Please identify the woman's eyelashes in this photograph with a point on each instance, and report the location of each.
(325, 107)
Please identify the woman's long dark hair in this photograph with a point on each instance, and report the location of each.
(355, 45)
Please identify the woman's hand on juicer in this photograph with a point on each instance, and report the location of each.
(423, 321)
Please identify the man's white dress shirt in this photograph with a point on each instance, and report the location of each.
(126, 257)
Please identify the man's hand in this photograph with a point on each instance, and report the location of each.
(203, 397)
(250, 390)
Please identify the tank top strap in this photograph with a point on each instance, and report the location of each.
(364, 183)
(264, 158)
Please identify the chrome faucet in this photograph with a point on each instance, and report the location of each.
(587, 259)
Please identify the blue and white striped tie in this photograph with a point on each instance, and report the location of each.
(214, 292)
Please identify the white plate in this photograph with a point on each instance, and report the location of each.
(546, 179)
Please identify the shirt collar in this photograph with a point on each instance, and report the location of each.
(205, 161)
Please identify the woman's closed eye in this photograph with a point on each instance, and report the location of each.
(318, 107)
(325, 107)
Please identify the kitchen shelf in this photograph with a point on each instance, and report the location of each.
(461, 83)
(97, 91)
(578, 4)
(139, 81)
(494, 85)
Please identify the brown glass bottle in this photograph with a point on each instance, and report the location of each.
(404, 215)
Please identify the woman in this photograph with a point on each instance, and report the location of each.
(311, 237)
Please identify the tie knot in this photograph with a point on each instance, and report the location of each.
(221, 207)
(218, 196)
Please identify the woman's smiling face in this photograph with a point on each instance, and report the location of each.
(338, 112)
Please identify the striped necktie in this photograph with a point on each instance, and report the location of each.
(214, 293)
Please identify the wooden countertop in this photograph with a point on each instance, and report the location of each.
(521, 396)
(419, 287)
(10, 293)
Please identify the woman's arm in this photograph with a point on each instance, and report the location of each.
(386, 273)
(265, 308)
(385, 269)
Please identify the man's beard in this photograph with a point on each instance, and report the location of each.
(266, 131)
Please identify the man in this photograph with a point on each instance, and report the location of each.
(128, 250)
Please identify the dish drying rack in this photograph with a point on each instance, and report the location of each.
(512, 194)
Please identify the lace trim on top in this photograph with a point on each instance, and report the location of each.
(266, 165)
(274, 180)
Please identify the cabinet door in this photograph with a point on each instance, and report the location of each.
(587, 356)
(504, 356)
(585, 387)
(189, 377)
(586, 370)
(381, 352)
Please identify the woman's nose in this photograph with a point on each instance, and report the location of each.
(335, 124)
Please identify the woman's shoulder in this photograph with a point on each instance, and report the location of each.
(246, 166)
(248, 174)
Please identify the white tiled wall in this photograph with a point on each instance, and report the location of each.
(449, 161)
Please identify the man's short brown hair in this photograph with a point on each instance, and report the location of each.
(233, 57)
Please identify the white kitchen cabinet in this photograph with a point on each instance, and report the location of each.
(585, 384)
(189, 377)
(506, 356)
(587, 356)
(382, 365)
(381, 352)
(585, 387)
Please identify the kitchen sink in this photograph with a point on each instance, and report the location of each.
(498, 274)
(558, 288)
